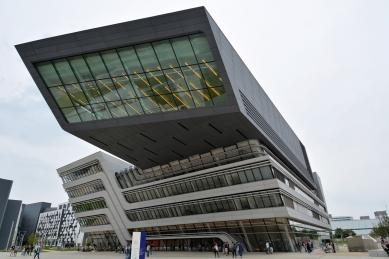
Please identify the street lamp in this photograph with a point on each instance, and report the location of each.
(9, 236)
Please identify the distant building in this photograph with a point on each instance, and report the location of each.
(341, 218)
(30, 216)
(10, 211)
(362, 226)
(59, 227)
(380, 214)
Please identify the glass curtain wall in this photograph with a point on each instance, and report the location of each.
(253, 234)
(92, 205)
(213, 205)
(74, 175)
(104, 240)
(82, 190)
(206, 183)
(166, 75)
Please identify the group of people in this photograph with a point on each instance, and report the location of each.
(127, 250)
(227, 248)
(385, 245)
(26, 250)
(307, 246)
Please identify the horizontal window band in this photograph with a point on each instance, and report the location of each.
(217, 198)
(84, 166)
(88, 201)
(98, 181)
(202, 176)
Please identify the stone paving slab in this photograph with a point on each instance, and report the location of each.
(193, 255)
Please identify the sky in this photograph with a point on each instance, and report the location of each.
(324, 64)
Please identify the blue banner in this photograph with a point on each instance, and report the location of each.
(138, 245)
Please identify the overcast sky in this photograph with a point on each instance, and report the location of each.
(325, 65)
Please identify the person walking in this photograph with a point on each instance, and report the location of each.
(233, 250)
(267, 247)
(12, 251)
(299, 246)
(148, 250)
(127, 251)
(216, 250)
(151, 249)
(333, 247)
(271, 248)
(239, 249)
(37, 251)
(226, 248)
(223, 246)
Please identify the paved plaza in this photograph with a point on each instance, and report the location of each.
(343, 254)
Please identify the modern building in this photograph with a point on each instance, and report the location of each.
(59, 227)
(207, 155)
(30, 216)
(362, 226)
(10, 213)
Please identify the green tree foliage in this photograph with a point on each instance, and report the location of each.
(343, 233)
(382, 228)
(32, 238)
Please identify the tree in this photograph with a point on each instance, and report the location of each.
(348, 232)
(32, 238)
(338, 233)
(382, 228)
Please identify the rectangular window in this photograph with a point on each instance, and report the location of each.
(257, 174)
(242, 177)
(267, 172)
(235, 178)
(249, 175)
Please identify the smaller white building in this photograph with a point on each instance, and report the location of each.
(59, 227)
(362, 226)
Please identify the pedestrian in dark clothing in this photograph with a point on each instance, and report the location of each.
(239, 249)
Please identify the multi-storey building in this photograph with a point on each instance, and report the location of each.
(59, 227)
(211, 157)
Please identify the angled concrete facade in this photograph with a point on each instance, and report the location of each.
(243, 117)
(221, 165)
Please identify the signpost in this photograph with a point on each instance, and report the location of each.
(138, 245)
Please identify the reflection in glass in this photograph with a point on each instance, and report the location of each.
(164, 75)
(71, 114)
(201, 47)
(61, 96)
(183, 51)
(117, 109)
(86, 113)
(101, 111)
(76, 94)
(64, 70)
(147, 57)
(48, 74)
(165, 54)
(112, 62)
(80, 68)
(96, 65)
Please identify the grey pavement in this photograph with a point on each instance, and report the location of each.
(197, 255)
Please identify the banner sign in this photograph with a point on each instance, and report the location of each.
(138, 245)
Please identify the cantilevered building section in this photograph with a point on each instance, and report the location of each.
(212, 156)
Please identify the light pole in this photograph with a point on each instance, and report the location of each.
(9, 236)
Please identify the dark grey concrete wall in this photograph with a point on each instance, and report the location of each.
(5, 190)
(12, 213)
(269, 121)
(30, 217)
